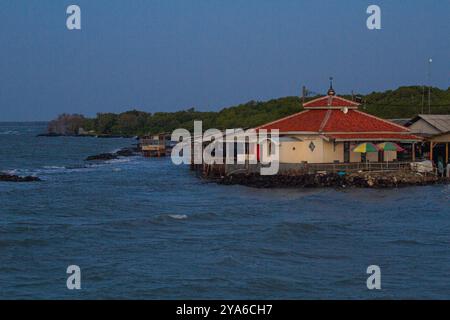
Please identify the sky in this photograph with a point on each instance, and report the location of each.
(168, 55)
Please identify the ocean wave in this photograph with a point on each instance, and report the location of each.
(60, 169)
(407, 242)
(45, 170)
(119, 160)
(178, 216)
(13, 243)
(294, 227)
(208, 216)
(11, 172)
(20, 172)
(53, 167)
(228, 261)
(9, 132)
(446, 191)
(290, 230)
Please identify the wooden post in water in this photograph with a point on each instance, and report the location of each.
(431, 151)
(446, 153)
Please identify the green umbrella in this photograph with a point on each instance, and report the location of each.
(366, 147)
(390, 146)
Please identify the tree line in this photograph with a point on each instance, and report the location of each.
(404, 102)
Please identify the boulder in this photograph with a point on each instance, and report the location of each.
(124, 152)
(15, 178)
(102, 157)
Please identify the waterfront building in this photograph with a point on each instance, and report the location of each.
(330, 127)
(158, 145)
(435, 128)
(427, 125)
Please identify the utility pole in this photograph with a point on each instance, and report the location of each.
(423, 97)
(303, 94)
(429, 85)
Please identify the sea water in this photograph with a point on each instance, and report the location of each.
(146, 229)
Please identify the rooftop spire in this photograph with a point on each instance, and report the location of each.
(331, 91)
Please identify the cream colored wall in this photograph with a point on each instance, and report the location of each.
(324, 152)
(354, 156)
(333, 152)
(290, 152)
(298, 151)
(372, 156)
(390, 155)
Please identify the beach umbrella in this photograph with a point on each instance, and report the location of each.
(390, 146)
(366, 147)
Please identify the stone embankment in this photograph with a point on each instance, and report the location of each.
(360, 179)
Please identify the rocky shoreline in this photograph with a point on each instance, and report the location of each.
(105, 136)
(124, 152)
(15, 178)
(359, 180)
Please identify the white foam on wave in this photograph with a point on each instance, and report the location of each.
(9, 132)
(121, 160)
(53, 167)
(178, 216)
(20, 172)
(11, 172)
(56, 169)
(47, 170)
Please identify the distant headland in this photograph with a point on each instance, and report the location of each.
(404, 102)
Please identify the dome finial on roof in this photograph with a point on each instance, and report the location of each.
(331, 91)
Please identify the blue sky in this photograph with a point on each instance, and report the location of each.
(168, 55)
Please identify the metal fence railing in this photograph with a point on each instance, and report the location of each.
(312, 168)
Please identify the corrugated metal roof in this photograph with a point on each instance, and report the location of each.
(439, 121)
(401, 122)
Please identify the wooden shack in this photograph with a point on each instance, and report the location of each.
(156, 145)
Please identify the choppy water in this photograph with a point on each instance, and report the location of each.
(143, 228)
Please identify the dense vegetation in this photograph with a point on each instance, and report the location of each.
(404, 102)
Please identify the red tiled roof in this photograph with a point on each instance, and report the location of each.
(308, 120)
(333, 120)
(375, 136)
(330, 101)
(327, 116)
(356, 121)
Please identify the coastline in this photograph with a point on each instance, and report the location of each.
(105, 136)
(375, 180)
